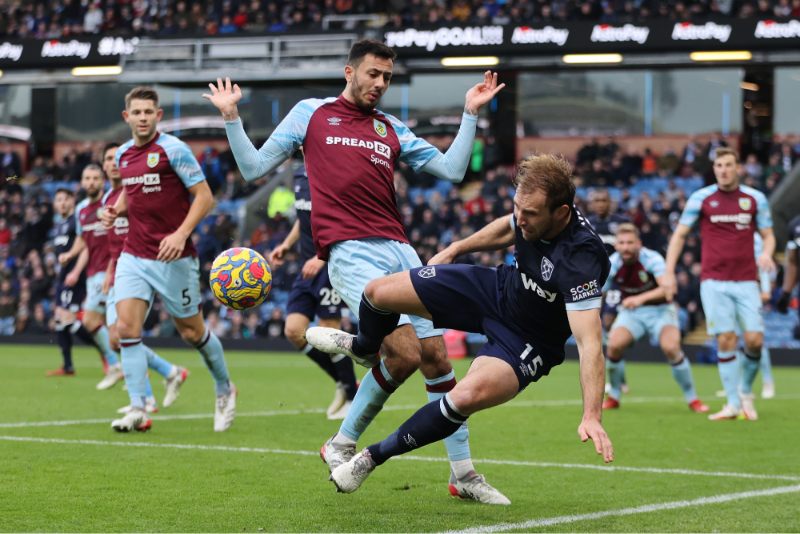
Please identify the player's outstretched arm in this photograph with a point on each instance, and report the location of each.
(496, 235)
(171, 247)
(253, 163)
(674, 249)
(587, 329)
(452, 165)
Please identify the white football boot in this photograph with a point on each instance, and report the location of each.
(748, 407)
(225, 410)
(335, 454)
(173, 385)
(474, 487)
(134, 420)
(150, 406)
(335, 341)
(727, 412)
(113, 375)
(339, 398)
(349, 476)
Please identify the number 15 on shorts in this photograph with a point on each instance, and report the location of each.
(531, 365)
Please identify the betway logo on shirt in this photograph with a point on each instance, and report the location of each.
(710, 31)
(546, 35)
(150, 181)
(531, 284)
(69, 49)
(589, 289)
(120, 225)
(429, 40)
(605, 33)
(302, 205)
(10, 51)
(378, 147)
(96, 227)
(769, 29)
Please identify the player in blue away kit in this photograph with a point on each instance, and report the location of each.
(313, 296)
(636, 272)
(527, 312)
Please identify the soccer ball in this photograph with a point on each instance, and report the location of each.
(240, 278)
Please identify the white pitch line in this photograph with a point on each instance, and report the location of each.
(647, 508)
(409, 457)
(276, 413)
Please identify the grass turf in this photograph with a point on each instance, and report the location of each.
(264, 474)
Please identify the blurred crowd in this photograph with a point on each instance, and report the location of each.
(650, 189)
(53, 19)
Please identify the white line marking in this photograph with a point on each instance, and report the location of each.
(307, 411)
(408, 457)
(702, 501)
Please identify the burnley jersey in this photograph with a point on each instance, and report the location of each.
(90, 227)
(302, 205)
(728, 220)
(157, 177)
(553, 277)
(117, 235)
(636, 277)
(350, 156)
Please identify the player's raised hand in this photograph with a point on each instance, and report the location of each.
(482, 93)
(171, 247)
(312, 267)
(64, 258)
(72, 278)
(593, 430)
(107, 216)
(225, 96)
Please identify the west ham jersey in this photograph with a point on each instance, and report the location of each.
(606, 228)
(553, 277)
(89, 226)
(728, 220)
(302, 205)
(63, 239)
(793, 243)
(638, 276)
(157, 177)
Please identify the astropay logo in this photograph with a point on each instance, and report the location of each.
(710, 31)
(10, 51)
(546, 35)
(72, 48)
(605, 33)
(769, 29)
(429, 40)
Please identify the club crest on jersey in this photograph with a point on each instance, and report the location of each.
(152, 159)
(547, 269)
(643, 276)
(380, 128)
(427, 272)
(745, 203)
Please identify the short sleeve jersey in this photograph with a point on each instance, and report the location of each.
(638, 276)
(157, 177)
(63, 239)
(553, 277)
(89, 226)
(117, 235)
(350, 157)
(302, 205)
(728, 220)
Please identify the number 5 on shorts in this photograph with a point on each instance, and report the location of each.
(186, 298)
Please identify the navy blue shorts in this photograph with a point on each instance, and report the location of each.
(469, 298)
(71, 298)
(315, 297)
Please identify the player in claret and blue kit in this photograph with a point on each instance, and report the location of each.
(160, 175)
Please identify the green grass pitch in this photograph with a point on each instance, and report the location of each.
(63, 469)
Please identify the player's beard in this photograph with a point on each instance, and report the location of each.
(359, 97)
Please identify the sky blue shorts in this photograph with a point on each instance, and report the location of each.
(355, 263)
(176, 282)
(647, 320)
(731, 306)
(95, 299)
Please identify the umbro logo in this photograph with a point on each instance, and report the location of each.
(714, 203)
(410, 441)
(334, 121)
(125, 164)
(427, 272)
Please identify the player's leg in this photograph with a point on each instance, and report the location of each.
(620, 338)
(489, 382)
(748, 311)
(720, 309)
(64, 321)
(94, 318)
(767, 378)
(346, 382)
(669, 340)
(295, 331)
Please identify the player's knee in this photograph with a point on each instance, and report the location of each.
(295, 335)
(727, 341)
(753, 342)
(192, 334)
(127, 330)
(376, 292)
(402, 364)
(614, 352)
(465, 399)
